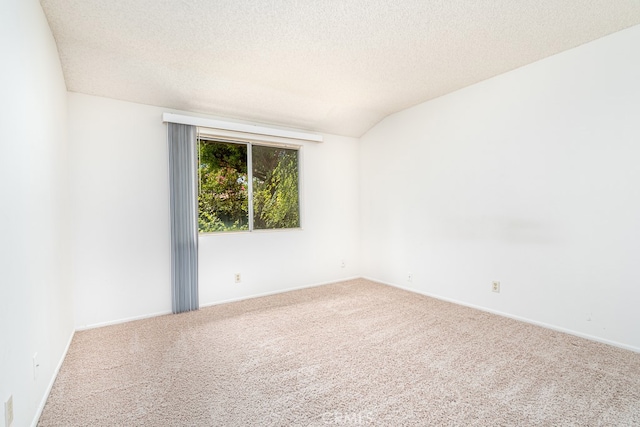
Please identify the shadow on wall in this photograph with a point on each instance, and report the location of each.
(512, 230)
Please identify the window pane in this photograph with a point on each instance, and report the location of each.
(223, 197)
(275, 188)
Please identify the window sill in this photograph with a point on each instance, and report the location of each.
(262, 231)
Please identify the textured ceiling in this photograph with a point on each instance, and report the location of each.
(325, 65)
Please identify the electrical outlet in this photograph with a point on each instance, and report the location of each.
(36, 365)
(410, 277)
(8, 412)
(495, 286)
(238, 278)
(343, 264)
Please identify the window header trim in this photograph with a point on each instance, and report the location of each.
(241, 131)
(205, 134)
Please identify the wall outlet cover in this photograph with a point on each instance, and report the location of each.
(36, 365)
(495, 286)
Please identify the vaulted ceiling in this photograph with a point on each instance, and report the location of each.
(333, 66)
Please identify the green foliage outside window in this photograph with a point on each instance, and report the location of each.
(223, 199)
(275, 188)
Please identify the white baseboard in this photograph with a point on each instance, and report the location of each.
(43, 401)
(123, 320)
(513, 316)
(208, 304)
(279, 291)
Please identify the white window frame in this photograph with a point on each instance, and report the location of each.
(208, 136)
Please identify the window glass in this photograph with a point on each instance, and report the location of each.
(224, 190)
(223, 198)
(275, 188)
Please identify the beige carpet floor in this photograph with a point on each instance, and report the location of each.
(350, 353)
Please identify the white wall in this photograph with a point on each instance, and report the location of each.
(120, 204)
(531, 178)
(270, 261)
(36, 312)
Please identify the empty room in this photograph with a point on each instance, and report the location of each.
(344, 213)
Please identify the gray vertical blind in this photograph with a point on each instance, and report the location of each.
(184, 217)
